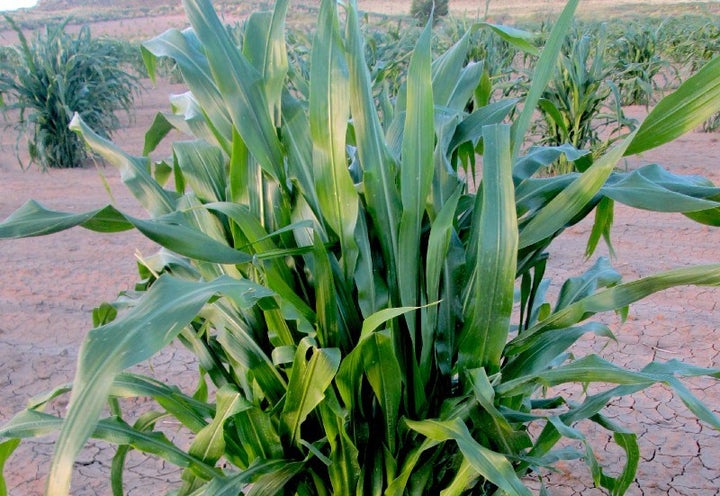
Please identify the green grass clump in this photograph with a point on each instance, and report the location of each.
(56, 75)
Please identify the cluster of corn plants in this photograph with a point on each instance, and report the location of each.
(53, 77)
(689, 42)
(346, 292)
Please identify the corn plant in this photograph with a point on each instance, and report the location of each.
(346, 292)
(53, 77)
(581, 100)
(639, 64)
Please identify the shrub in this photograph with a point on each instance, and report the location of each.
(346, 292)
(53, 77)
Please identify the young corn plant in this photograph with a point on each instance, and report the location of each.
(639, 65)
(53, 77)
(346, 292)
(578, 102)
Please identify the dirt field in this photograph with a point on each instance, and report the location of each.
(49, 286)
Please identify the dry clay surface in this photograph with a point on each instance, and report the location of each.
(49, 286)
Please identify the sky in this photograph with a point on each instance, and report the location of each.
(16, 4)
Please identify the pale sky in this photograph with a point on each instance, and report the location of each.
(16, 4)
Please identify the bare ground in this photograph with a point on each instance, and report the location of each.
(50, 285)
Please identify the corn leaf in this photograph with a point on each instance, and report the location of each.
(489, 296)
(379, 169)
(329, 112)
(189, 411)
(573, 199)
(614, 298)
(182, 47)
(544, 70)
(32, 219)
(416, 172)
(31, 423)
(470, 129)
(6, 450)
(653, 188)
(384, 375)
(133, 170)
(209, 444)
(493, 466)
(238, 82)
(683, 110)
(203, 169)
(308, 381)
(254, 434)
(264, 47)
(166, 309)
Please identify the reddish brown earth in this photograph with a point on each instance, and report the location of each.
(51, 284)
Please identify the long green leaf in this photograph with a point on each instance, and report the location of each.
(264, 46)
(189, 411)
(653, 188)
(489, 297)
(133, 170)
(416, 172)
(588, 369)
(446, 70)
(517, 37)
(329, 112)
(6, 449)
(32, 219)
(255, 434)
(614, 298)
(172, 231)
(493, 466)
(379, 169)
(573, 199)
(209, 444)
(384, 375)
(298, 146)
(235, 484)
(544, 70)
(681, 111)
(183, 48)
(203, 169)
(238, 82)
(165, 310)
(328, 317)
(308, 381)
(31, 423)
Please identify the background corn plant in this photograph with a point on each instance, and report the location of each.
(55, 75)
(581, 100)
(348, 296)
(639, 64)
